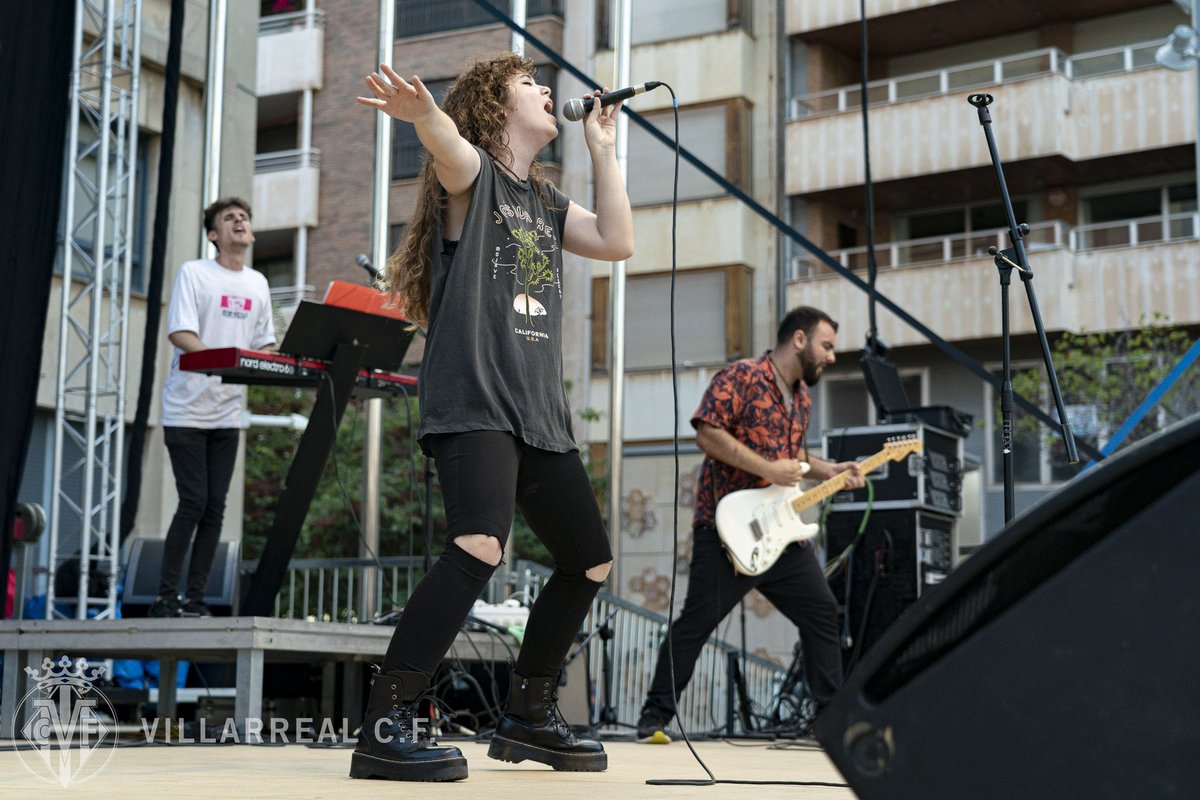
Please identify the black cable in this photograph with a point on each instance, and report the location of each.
(872, 265)
(881, 556)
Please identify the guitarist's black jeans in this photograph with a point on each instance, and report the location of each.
(795, 585)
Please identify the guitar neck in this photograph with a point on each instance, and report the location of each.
(815, 495)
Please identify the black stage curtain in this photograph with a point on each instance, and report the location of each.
(35, 60)
(154, 289)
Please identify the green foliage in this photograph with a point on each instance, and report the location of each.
(330, 529)
(1109, 374)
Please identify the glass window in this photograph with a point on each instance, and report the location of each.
(711, 322)
(406, 148)
(703, 131)
(1125, 205)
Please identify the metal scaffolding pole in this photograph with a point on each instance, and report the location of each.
(89, 432)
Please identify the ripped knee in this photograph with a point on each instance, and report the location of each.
(484, 547)
(599, 572)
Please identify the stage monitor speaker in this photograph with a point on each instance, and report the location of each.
(1061, 660)
(145, 569)
(900, 555)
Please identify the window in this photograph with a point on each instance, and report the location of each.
(407, 152)
(842, 401)
(1039, 456)
(1137, 216)
(406, 148)
(716, 134)
(663, 20)
(417, 17)
(712, 318)
(395, 236)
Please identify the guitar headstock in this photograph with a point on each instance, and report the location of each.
(899, 447)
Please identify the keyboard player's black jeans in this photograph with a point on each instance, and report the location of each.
(202, 460)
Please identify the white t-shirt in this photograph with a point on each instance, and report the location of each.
(225, 308)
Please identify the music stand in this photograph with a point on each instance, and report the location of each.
(317, 329)
(350, 340)
(891, 400)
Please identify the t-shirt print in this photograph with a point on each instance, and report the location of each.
(526, 257)
(235, 307)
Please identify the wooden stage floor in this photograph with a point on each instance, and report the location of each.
(301, 771)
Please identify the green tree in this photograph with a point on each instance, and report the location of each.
(330, 529)
(1106, 375)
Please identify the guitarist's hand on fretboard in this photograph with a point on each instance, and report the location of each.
(854, 480)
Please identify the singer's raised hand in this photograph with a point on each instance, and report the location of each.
(397, 97)
(600, 124)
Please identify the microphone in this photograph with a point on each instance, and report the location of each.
(575, 108)
(364, 262)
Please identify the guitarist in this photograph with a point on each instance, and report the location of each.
(751, 425)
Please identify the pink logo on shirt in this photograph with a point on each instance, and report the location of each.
(235, 303)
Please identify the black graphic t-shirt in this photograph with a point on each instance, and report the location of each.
(493, 356)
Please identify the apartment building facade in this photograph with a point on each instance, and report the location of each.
(1097, 142)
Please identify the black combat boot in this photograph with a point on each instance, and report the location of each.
(532, 729)
(394, 742)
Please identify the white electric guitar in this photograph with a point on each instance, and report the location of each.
(756, 524)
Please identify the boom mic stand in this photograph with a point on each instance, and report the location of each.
(1006, 261)
(600, 710)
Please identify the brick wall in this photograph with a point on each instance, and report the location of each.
(344, 130)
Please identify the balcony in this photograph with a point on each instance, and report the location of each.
(714, 66)
(923, 124)
(286, 185)
(812, 15)
(739, 242)
(291, 52)
(1095, 277)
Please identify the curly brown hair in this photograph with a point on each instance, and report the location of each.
(475, 101)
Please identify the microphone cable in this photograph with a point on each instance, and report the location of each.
(712, 779)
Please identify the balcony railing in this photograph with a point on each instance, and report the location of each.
(418, 17)
(288, 297)
(964, 77)
(292, 21)
(1041, 236)
(1134, 232)
(282, 160)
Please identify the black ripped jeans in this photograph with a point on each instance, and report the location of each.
(485, 475)
(795, 585)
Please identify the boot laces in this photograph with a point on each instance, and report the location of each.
(403, 715)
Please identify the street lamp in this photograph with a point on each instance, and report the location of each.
(1181, 52)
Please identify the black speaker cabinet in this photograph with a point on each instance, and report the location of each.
(1062, 660)
(931, 479)
(145, 569)
(900, 554)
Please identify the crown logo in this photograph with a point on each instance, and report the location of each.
(65, 672)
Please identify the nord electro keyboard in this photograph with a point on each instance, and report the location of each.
(258, 367)
(353, 343)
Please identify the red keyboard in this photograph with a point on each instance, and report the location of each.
(235, 365)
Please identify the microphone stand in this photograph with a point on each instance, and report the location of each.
(1006, 261)
(600, 708)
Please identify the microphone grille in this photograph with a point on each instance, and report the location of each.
(573, 110)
